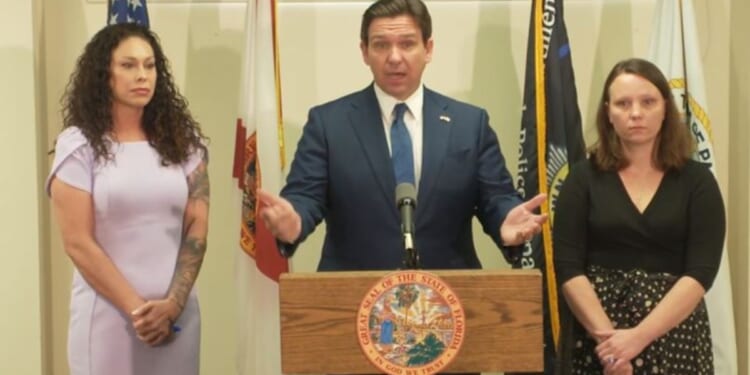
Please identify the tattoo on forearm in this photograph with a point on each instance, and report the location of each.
(198, 186)
(193, 247)
(189, 262)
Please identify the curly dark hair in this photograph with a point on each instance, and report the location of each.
(87, 102)
(674, 144)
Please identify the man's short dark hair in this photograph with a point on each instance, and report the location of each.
(392, 8)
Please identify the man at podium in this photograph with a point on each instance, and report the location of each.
(355, 150)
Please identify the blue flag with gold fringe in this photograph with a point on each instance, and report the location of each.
(127, 11)
(551, 140)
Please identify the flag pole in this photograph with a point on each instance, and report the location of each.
(541, 126)
(686, 94)
(277, 79)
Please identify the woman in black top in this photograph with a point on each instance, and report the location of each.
(638, 237)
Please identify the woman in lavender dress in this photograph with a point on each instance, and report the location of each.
(130, 192)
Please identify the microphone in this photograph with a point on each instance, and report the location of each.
(406, 202)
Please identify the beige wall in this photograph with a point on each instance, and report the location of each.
(482, 61)
(21, 222)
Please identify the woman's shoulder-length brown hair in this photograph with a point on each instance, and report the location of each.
(674, 145)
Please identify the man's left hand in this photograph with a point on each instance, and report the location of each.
(522, 223)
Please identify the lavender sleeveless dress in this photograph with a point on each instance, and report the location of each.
(138, 209)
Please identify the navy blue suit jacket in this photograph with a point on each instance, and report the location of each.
(342, 172)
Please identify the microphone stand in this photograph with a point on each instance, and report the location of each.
(411, 256)
(406, 202)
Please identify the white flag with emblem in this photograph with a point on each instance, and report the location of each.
(674, 27)
(258, 164)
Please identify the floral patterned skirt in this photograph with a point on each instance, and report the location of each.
(627, 297)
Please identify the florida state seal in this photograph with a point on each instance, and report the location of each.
(410, 323)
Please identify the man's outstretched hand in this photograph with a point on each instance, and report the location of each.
(280, 217)
(522, 223)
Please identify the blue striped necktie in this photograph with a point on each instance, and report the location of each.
(401, 150)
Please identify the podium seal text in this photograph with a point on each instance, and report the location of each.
(411, 323)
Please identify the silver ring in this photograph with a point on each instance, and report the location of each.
(611, 360)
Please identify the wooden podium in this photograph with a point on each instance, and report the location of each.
(503, 310)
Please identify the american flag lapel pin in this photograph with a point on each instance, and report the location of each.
(445, 118)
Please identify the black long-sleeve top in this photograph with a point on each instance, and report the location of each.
(681, 231)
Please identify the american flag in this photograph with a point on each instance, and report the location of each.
(127, 11)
